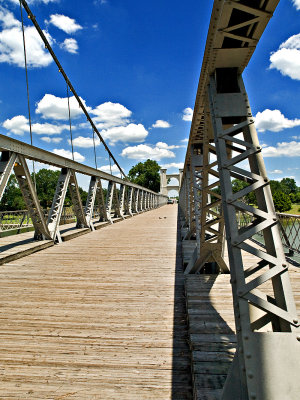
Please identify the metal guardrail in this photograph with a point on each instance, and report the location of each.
(289, 229)
(20, 219)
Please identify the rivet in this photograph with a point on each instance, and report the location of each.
(239, 293)
(258, 147)
(250, 375)
(265, 179)
(252, 396)
(295, 321)
(246, 337)
(284, 265)
(298, 338)
(248, 355)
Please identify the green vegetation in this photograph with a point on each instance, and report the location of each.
(286, 194)
(46, 181)
(146, 174)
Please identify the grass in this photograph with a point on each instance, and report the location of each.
(294, 210)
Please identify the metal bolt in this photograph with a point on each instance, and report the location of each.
(265, 179)
(258, 147)
(298, 338)
(250, 375)
(252, 396)
(295, 321)
(248, 355)
(240, 293)
(284, 265)
(232, 280)
(246, 337)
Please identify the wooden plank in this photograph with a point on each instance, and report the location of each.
(99, 316)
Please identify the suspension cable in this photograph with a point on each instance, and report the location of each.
(61, 70)
(95, 149)
(70, 122)
(110, 165)
(27, 87)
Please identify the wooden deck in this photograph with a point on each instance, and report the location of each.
(99, 317)
(109, 315)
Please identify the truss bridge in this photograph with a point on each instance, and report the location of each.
(133, 298)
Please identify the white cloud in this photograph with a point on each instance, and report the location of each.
(70, 45)
(276, 171)
(35, 1)
(57, 107)
(185, 140)
(108, 115)
(106, 168)
(296, 137)
(85, 142)
(11, 43)
(296, 4)
(64, 23)
(173, 165)
(144, 151)
(68, 154)
(20, 124)
(48, 139)
(161, 124)
(287, 149)
(187, 114)
(131, 133)
(273, 120)
(163, 145)
(17, 125)
(287, 58)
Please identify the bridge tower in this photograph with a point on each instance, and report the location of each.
(164, 187)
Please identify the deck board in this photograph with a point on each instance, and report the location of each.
(101, 316)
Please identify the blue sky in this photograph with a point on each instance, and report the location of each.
(136, 64)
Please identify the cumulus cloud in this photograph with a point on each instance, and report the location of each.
(85, 142)
(173, 165)
(276, 171)
(17, 125)
(108, 115)
(64, 23)
(35, 1)
(185, 140)
(287, 58)
(20, 124)
(106, 168)
(68, 154)
(57, 107)
(286, 149)
(48, 139)
(144, 151)
(11, 43)
(296, 4)
(133, 133)
(187, 114)
(161, 124)
(70, 45)
(273, 120)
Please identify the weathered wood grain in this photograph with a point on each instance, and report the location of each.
(101, 316)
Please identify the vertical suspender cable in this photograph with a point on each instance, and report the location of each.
(110, 164)
(68, 96)
(27, 86)
(95, 149)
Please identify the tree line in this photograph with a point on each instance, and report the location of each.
(284, 192)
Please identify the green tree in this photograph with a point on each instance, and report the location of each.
(275, 187)
(282, 201)
(12, 198)
(146, 174)
(289, 185)
(46, 181)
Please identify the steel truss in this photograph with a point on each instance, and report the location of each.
(223, 147)
(125, 201)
